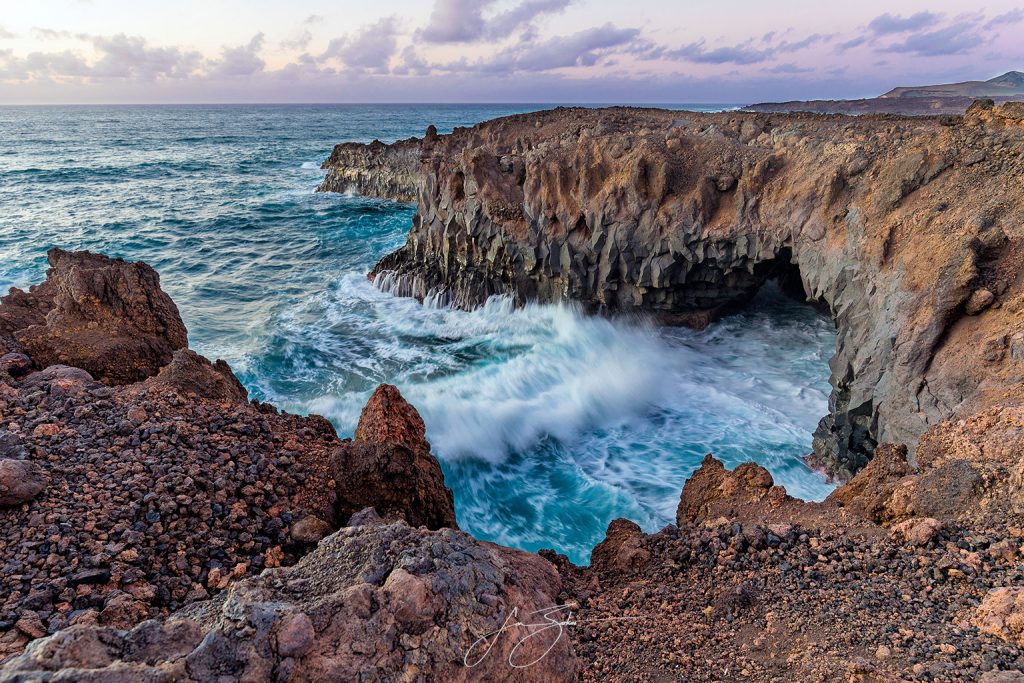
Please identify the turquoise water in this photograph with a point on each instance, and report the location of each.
(548, 423)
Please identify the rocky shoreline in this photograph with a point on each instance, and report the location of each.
(158, 526)
(905, 229)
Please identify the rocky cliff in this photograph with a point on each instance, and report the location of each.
(374, 170)
(168, 530)
(907, 229)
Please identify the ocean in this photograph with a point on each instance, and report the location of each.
(548, 423)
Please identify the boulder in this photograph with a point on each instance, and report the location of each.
(622, 548)
(918, 531)
(106, 316)
(1001, 614)
(389, 466)
(379, 601)
(190, 373)
(20, 481)
(387, 418)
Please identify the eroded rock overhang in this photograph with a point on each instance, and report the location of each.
(907, 229)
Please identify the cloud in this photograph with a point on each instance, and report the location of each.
(57, 34)
(313, 19)
(5, 34)
(951, 40)
(118, 57)
(243, 60)
(463, 21)
(131, 57)
(370, 48)
(850, 44)
(746, 53)
(886, 24)
(523, 15)
(789, 68)
(299, 42)
(1014, 16)
(411, 63)
(455, 21)
(584, 48)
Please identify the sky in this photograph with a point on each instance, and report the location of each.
(543, 51)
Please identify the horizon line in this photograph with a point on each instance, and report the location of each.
(369, 104)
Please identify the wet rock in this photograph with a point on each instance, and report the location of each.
(20, 481)
(103, 315)
(641, 214)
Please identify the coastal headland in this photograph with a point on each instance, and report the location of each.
(158, 525)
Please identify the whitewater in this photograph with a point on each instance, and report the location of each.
(548, 423)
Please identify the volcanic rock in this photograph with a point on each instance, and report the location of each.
(389, 467)
(191, 373)
(621, 548)
(371, 601)
(103, 315)
(682, 214)
(20, 481)
(1001, 613)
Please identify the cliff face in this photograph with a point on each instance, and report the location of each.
(909, 230)
(374, 170)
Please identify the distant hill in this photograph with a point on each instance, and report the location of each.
(917, 100)
(1009, 84)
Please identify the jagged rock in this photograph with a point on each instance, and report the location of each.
(624, 210)
(20, 481)
(389, 466)
(621, 550)
(376, 602)
(191, 373)
(870, 491)
(1001, 613)
(713, 491)
(374, 170)
(15, 364)
(103, 315)
(387, 418)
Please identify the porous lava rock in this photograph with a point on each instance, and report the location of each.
(381, 601)
(103, 315)
(388, 466)
(896, 225)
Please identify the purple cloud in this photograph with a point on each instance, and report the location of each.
(130, 57)
(463, 21)
(370, 48)
(742, 54)
(584, 48)
(1014, 16)
(952, 40)
(243, 60)
(894, 23)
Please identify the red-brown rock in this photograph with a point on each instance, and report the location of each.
(104, 315)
